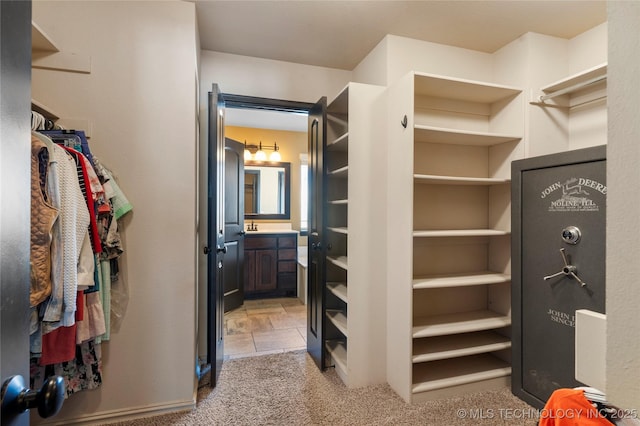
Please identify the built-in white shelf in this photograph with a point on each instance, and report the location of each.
(463, 322)
(461, 89)
(339, 230)
(459, 233)
(578, 78)
(460, 280)
(339, 319)
(341, 172)
(40, 41)
(338, 353)
(340, 143)
(457, 371)
(356, 290)
(443, 135)
(339, 290)
(45, 54)
(340, 261)
(44, 110)
(458, 345)
(338, 108)
(455, 146)
(457, 180)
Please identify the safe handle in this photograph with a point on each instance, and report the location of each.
(567, 269)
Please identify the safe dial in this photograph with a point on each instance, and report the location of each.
(571, 235)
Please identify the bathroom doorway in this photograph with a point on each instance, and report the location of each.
(265, 324)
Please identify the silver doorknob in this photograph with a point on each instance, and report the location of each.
(17, 398)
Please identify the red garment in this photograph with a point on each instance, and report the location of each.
(59, 345)
(569, 407)
(80, 306)
(88, 196)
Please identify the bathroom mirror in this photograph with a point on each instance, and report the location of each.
(267, 190)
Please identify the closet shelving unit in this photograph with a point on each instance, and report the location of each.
(353, 295)
(448, 221)
(46, 54)
(40, 42)
(44, 110)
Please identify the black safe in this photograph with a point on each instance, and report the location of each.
(558, 204)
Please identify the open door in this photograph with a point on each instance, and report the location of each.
(316, 246)
(234, 224)
(15, 184)
(15, 225)
(215, 248)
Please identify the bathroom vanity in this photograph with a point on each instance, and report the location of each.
(270, 264)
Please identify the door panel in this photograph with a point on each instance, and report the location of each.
(249, 271)
(315, 279)
(216, 240)
(266, 270)
(234, 225)
(554, 199)
(15, 184)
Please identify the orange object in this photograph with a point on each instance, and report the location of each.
(569, 407)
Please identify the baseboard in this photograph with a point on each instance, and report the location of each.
(114, 416)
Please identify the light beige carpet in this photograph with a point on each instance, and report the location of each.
(288, 389)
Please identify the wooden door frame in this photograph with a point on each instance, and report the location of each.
(267, 104)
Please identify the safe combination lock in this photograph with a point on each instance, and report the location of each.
(571, 235)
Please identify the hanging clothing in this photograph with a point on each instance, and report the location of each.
(53, 310)
(83, 372)
(121, 204)
(90, 190)
(74, 216)
(92, 324)
(43, 217)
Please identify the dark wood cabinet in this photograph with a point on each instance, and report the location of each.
(270, 265)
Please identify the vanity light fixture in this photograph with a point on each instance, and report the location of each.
(256, 152)
(247, 153)
(260, 155)
(275, 155)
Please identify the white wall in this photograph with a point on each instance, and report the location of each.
(373, 68)
(534, 61)
(406, 54)
(141, 100)
(396, 56)
(623, 206)
(244, 75)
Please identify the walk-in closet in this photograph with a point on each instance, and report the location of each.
(408, 274)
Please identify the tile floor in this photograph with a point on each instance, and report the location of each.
(265, 326)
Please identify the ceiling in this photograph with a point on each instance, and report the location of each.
(340, 33)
